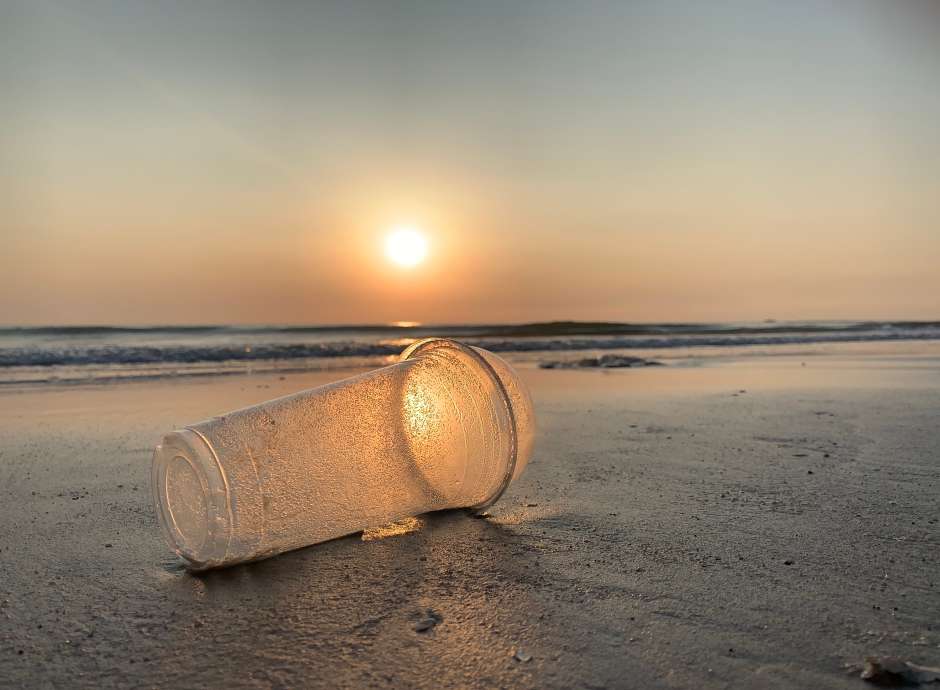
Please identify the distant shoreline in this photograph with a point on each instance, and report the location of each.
(520, 330)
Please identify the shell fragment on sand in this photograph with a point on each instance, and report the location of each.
(892, 671)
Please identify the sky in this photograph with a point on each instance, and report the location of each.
(229, 162)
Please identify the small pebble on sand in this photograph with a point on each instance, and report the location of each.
(522, 656)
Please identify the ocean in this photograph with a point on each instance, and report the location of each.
(88, 354)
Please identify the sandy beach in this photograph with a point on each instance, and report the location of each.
(707, 234)
(760, 522)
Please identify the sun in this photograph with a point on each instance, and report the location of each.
(406, 246)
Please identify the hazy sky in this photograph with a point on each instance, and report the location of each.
(231, 162)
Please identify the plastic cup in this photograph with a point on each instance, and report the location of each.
(448, 426)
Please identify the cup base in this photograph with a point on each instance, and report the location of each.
(191, 497)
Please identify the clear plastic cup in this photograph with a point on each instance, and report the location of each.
(448, 426)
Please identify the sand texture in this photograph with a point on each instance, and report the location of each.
(746, 525)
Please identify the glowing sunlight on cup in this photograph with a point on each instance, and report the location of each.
(448, 426)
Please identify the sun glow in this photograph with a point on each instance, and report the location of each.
(406, 246)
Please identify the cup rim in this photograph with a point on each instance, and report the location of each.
(421, 346)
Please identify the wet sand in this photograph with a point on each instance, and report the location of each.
(759, 523)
